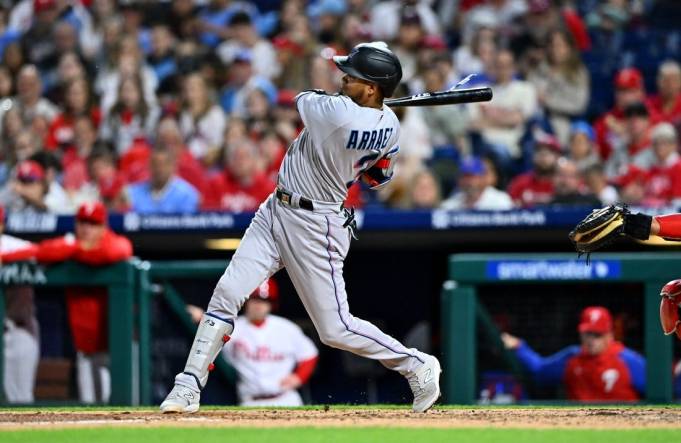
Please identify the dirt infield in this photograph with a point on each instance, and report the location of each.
(541, 418)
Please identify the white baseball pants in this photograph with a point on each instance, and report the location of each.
(312, 246)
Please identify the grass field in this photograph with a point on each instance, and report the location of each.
(460, 424)
(338, 435)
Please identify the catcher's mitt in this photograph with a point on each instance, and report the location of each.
(598, 229)
(604, 226)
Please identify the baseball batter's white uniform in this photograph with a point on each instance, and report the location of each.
(265, 354)
(339, 141)
(302, 227)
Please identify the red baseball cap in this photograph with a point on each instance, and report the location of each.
(42, 5)
(92, 212)
(545, 140)
(629, 78)
(30, 171)
(268, 290)
(595, 319)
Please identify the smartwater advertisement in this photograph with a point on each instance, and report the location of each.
(553, 270)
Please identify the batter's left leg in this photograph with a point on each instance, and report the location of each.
(255, 260)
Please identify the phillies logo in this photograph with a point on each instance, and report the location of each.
(260, 353)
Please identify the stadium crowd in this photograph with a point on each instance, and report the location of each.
(180, 106)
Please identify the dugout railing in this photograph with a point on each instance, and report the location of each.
(128, 314)
(132, 287)
(461, 311)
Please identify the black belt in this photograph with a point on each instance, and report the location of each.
(266, 397)
(285, 197)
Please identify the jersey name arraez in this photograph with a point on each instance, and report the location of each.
(340, 140)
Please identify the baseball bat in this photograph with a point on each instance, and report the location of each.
(452, 97)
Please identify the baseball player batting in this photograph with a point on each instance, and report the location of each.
(303, 226)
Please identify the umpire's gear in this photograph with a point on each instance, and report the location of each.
(373, 62)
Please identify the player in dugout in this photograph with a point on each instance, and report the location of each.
(94, 244)
(20, 329)
(599, 369)
(272, 355)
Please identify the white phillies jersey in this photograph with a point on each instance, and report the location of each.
(263, 355)
(340, 140)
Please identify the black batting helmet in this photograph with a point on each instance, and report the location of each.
(373, 62)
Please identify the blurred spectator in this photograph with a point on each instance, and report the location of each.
(543, 17)
(202, 122)
(21, 335)
(663, 181)
(131, 118)
(562, 83)
(597, 183)
(325, 19)
(169, 137)
(497, 13)
(182, 18)
(29, 99)
(241, 82)
(126, 61)
(424, 191)
(294, 59)
(667, 102)
(8, 34)
(385, 18)
(96, 245)
(106, 181)
(6, 82)
(502, 121)
(581, 146)
(20, 144)
(634, 145)
(536, 186)
(474, 191)
(272, 151)
(38, 40)
(447, 125)
(74, 158)
(567, 185)
(600, 369)
(162, 59)
(164, 192)
(244, 36)
(242, 185)
(610, 127)
(78, 102)
(409, 43)
(56, 199)
(132, 13)
(632, 186)
(27, 190)
(477, 56)
(13, 58)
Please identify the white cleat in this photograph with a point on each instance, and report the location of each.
(425, 384)
(184, 397)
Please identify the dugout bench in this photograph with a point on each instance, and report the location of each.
(461, 311)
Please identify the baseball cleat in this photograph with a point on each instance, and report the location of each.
(184, 396)
(425, 384)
